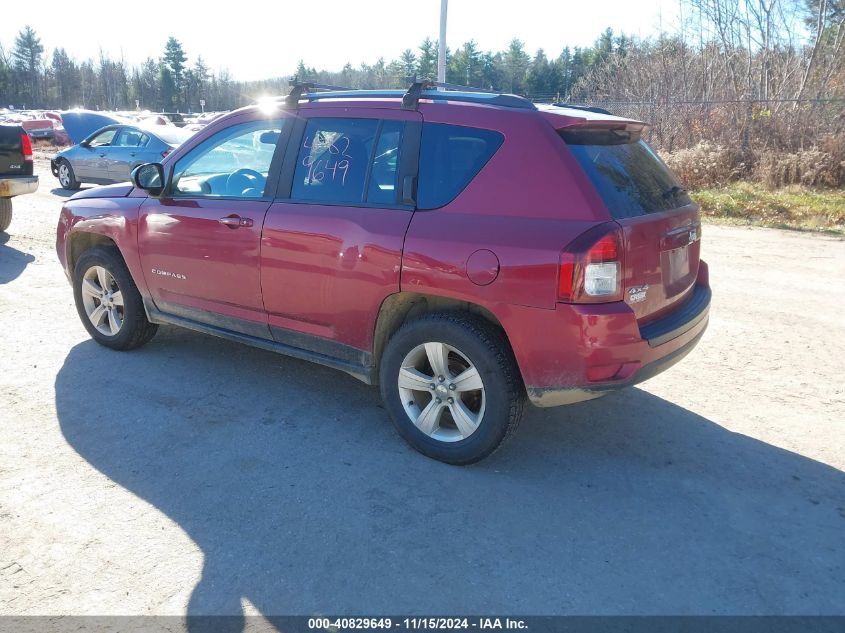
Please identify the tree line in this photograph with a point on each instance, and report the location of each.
(29, 78)
(775, 52)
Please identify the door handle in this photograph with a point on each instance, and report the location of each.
(680, 237)
(408, 190)
(131, 153)
(102, 155)
(235, 221)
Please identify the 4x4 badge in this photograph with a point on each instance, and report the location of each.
(637, 294)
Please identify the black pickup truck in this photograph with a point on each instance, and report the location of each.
(16, 175)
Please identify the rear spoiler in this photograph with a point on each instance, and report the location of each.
(562, 118)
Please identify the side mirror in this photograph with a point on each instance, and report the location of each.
(269, 138)
(84, 143)
(149, 177)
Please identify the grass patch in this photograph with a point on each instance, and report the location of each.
(794, 207)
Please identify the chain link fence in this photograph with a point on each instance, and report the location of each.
(786, 124)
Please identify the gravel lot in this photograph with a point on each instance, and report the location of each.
(199, 476)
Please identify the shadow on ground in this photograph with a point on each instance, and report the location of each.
(12, 261)
(67, 193)
(291, 480)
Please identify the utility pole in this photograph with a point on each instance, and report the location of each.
(441, 54)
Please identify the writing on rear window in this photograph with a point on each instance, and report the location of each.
(348, 161)
(327, 157)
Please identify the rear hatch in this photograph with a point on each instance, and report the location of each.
(12, 159)
(661, 227)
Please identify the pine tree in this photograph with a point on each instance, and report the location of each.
(537, 79)
(26, 62)
(465, 65)
(516, 63)
(174, 60)
(427, 64)
(166, 88)
(408, 62)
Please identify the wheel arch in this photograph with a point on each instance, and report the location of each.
(401, 307)
(81, 241)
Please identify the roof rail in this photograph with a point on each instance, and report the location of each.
(423, 89)
(587, 108)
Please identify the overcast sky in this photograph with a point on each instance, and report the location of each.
(259, 40)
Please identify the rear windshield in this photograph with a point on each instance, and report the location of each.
(626, 172)
(170, 135)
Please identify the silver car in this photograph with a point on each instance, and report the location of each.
(110, 153)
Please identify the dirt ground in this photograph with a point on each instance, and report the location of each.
(199, 476)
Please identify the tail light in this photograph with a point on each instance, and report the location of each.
(591, 267)
(26, 148)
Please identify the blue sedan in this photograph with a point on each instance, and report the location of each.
(110, 153)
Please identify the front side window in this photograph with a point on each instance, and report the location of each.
(233, 163)
(450, 157)
(348, 161)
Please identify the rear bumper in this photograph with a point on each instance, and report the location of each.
(581, 352)
(557, 396)
(17, 185)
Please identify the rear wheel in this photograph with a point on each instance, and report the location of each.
(5, 213)
(67, 179)
(451, 386)
(108, 302)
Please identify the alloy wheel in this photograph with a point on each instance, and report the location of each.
(64, 175)
(441, 391)
(103, 300)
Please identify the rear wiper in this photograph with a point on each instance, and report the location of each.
(674, 190)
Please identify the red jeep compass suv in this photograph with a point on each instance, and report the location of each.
(463, 250)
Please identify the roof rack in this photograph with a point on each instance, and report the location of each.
(572, 106)
(424, 89)
(299, 88)
(454, 92)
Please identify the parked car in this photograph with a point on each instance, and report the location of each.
(176, 118)
(39, 127)
(462, 250)
(80, 124)
(16, 173)
(110, 153)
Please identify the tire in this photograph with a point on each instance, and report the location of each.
(66, 176)
(5, 213)
(487, 416)
(120, 327)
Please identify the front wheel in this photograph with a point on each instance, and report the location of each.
(67, 178)
(108, 301)
(5, 213)
(451, 386)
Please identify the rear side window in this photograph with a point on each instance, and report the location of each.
(450, 157)
(382, 187)
(626, 173)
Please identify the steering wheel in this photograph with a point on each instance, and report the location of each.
(243, 179)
